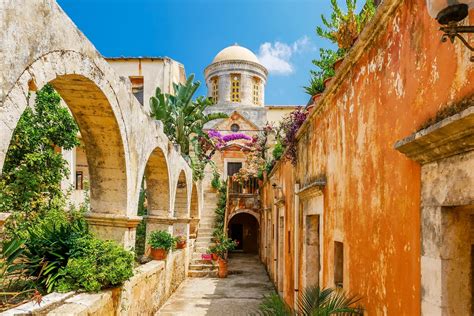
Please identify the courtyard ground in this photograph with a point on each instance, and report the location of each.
(239, 294)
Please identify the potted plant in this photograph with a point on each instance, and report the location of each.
(222, 247)
(343, 28)
(160, 242)
(212, 252)
(180, 242)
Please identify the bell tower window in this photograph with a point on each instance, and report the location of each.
(215, 89)
(235, 88)
(256, 91)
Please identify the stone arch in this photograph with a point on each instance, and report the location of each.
(93, 103)
(244, 226)
(194, 211)
(248, 211)
(181, 197)
(158, 184)
(181, 206)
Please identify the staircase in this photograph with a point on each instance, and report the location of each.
(199, 267)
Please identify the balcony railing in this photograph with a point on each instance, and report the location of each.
(249, 186)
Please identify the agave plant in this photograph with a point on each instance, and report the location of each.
(181, 116)
(314, 301)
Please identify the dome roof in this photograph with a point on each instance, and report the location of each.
(236, 52)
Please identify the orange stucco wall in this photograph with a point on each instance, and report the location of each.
(372, 195)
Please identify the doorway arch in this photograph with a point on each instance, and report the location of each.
(244, 227)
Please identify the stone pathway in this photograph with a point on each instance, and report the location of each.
(239, 294)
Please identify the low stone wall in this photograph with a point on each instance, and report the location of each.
(143, 294)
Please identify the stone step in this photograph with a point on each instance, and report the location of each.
(201, 249)
(209, 267)
(200, 261)
(201, 273)
(207, 240)
(204, 237)
(204, 243)
(204, 231)
(205, 226)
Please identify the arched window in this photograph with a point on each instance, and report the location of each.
(215, 89)
(235, 88)
(256, 90)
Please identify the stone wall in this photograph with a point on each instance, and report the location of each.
(143, 294)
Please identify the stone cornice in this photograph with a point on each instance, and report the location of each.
(377, 26)
(169, 220)
(236, 62)
(451, 136)
(312, 189)
(114, 220)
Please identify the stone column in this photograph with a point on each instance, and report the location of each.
(117, 227)
(224, 88)
(246, 89)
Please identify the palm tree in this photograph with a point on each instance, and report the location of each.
(181, 116)
(313, 302)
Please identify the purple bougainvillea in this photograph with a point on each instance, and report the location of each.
(221, 140)
(289, 127)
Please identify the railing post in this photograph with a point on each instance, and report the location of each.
(226, 213)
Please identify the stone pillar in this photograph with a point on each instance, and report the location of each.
(446, 261)
(224, 88)
(181, 227)
(117, 227)
(246, 89)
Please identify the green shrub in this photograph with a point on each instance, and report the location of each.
(161, 239)
(278, 150)
(96, 264)
(216, 181)
(48, 245)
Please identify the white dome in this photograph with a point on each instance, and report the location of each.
(236, 52)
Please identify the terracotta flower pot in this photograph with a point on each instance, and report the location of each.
(158, 254)
(338, 63)
(327, 82)
(181, 244)
(214, 257)
(316, 97)
(310, 108)
(222, 273)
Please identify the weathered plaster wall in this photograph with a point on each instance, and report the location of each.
(398, 75)
(143, 294)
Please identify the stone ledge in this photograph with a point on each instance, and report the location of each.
(451, 136)
(312, 189)
(47, 302)
(114, 220)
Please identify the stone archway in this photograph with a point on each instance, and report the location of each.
(158, 184)
(194, 212)
(244, 227)
(118, 133)
(94, 105)
(181, 209)
(95, 117)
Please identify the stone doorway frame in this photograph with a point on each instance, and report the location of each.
(445, 151)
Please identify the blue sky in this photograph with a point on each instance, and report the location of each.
(280, 32)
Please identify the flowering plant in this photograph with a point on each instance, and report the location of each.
(288, 129)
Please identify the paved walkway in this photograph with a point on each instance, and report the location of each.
(239, 294)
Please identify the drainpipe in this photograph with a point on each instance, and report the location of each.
(296, 236)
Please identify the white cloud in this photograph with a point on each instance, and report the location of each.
(276, 57)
